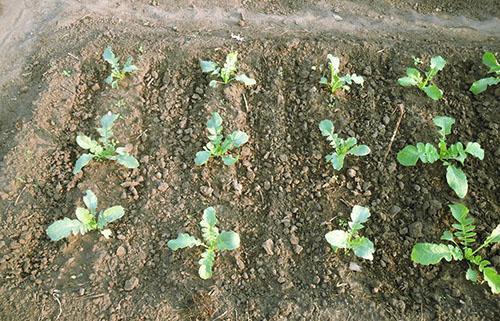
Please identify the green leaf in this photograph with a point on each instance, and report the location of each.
(207, 66)
(407, 81)
(438, 63)
(326, 127)
(408, 156)
(357, 79)
(215, 121)
(475, 150)
(81, 162)
(202, 157)
(229, 160)
(183, 240)
(209, 217)
(239, 138)
(213, 83)
(445, 123)
(430, 253)
(323, 81)
(459, 212)
(84, 216)
(108, 119)
(231, 60)
(334, 62)
(360, 150)
(359, 215)
(447, 236)
(90, 201)
(337, 161)
(413, 73)
(228, 240)
(363, 248)
(457, 180)
(109, 56)
(206, 264)
(337, 239)
(490, 60)
(491, 276)
(471, 275)
(64, 228)
(127, 160)
(494, 236)
(427, 153)
(433, 92)
(109, 215)
(85, 142)
(128, 67)
(247, 81)
(482, 84)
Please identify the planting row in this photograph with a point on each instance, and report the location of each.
(224, 146)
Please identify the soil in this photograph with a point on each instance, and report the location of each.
(280, 190)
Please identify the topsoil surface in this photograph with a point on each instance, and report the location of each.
(281, 189)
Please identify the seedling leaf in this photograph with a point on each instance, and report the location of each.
(457, 180)
(337, 239)
(430, 253)
(110, 215)
(433, 92)
(360, 150)
(491, 276)
(206, 264)
(408, 156)
(127, 160)
(207, 66)
(81, 162)
(228, 240)
(359, 215)
(471, 275)
(475, 150)
(247, 81)
(183, 240)
(63, 228)
(363, 248)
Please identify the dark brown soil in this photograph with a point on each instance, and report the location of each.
(281, 189)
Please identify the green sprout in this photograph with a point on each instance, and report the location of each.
(214, 242)
(427, 153)
(217, 145)
(336, 81)
(104, 147)
(462, 238)
(117, 73)
(226, 73)
(414, 77)
(88, 219)
(481, 85)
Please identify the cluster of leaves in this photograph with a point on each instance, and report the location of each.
(104, 147)
(117, 72)
(336, 81)
(88, 219)
(462, 238)
(342, 146)
(226, 73)
(481, 85)
(414, 77)
(218, 146)
(215, 241)
(350, 239)
(427, 153)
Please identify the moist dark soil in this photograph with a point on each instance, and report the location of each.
(281, 189)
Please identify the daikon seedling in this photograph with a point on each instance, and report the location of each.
(462, 237)
(350, 239)
(343, 147)
(414, 77)
(226, 73)
(427, 153)
(336, 81)
(104, 147)
(218, 146)
(88, 219)
(118, 73)
(214, 241)
(481, 85)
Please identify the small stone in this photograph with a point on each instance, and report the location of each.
(96, 87)
(294, 240)
(298, 249)
(415, 229)
(206, 191)
(354, 267)
(163, 187)
(386, 119)
(395, 210)
(120, 251)
(267, 185)
(268, 246)
(351, 172)
(81, 291)
(131, 283)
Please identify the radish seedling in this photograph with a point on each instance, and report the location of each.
(214, 242)
(414, 77)
(226, 73)
(462, 239)
(350, 239)
(336, 81)
(427, 153)
(117, 72)
(218, 146)
(481, 85)
(104, 147)
(88, 219)
(342, 146)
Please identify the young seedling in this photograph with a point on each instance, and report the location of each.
(214, 242)
(104, 147)
(462, 238)
(336, 81)
(414, 77)
(117, 72)
(342, 146)
(481, 85)
(350, 239)
(88, 219)
(218, 146)
(226, 73)
(427, 153)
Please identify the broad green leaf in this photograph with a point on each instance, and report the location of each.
(459, 212)
(407, 81)
(358, 79)
(471, 275)
(108, 119)
(457, 180)
(360, 150)
(433, 92)
(494, 236)
(359, 215)
(206, 264)
(202, 157)
(209, 217)
(239, 138)
(334, 62)
(183, 240)
(231, 60)
(475, 150)
(445, 123)
(207, 66)
(348, 143)
(81, 162)
(127, 160)
(447, 236)
(109, 215)
(430, 253)
(84, 216)
(229, 160)
(128, 67)
(491, 276)
(427, 153)
(64, 228)
(337, 239)
(438, 63)
(228, 240)
(215, 121)
(323, 81)
(109, 56)
(408, 156)
(363, 248)
(85, 142)
(413, 73)
(90, 201)
(490, 60)
(247, 81)
(213, 83)
(337, 161)
(326, 127)
(482, 84)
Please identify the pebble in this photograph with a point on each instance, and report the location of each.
(386, 119)
(395, 210)
(267, 185)
(351, 172)
(206, 191)
(268, 246)
(120, 251)
(415, 229)
(131, 283)
(354, 267)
